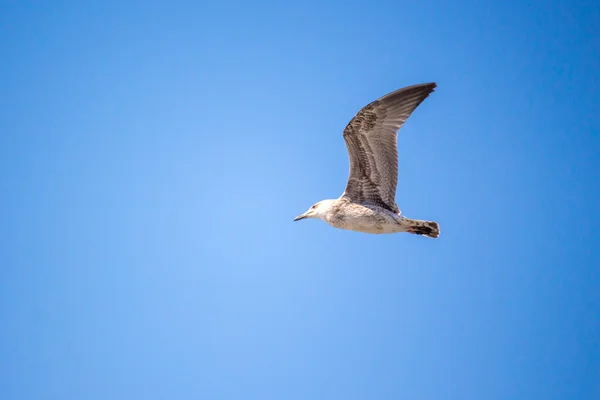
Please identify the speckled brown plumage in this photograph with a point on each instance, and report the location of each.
(371, 140)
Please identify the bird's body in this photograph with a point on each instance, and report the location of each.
(364, 218)
(368, 203)
(343, 214)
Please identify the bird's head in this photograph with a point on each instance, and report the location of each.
(318, 210)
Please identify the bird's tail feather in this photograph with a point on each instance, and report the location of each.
(428, 228)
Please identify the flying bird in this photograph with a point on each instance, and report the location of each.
(368, 204)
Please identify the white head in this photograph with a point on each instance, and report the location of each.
(319, 210)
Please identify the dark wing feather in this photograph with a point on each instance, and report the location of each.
(372, 141)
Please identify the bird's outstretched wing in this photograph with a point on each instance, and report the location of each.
(371, 138)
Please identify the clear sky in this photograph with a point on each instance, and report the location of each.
(153, 156)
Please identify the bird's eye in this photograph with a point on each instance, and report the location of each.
(313, 207)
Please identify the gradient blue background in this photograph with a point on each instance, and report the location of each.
(153, 155)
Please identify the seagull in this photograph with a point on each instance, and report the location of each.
(368, 204)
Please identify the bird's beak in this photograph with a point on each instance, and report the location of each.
(299, 217)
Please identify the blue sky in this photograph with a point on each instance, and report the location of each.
(153, 155)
